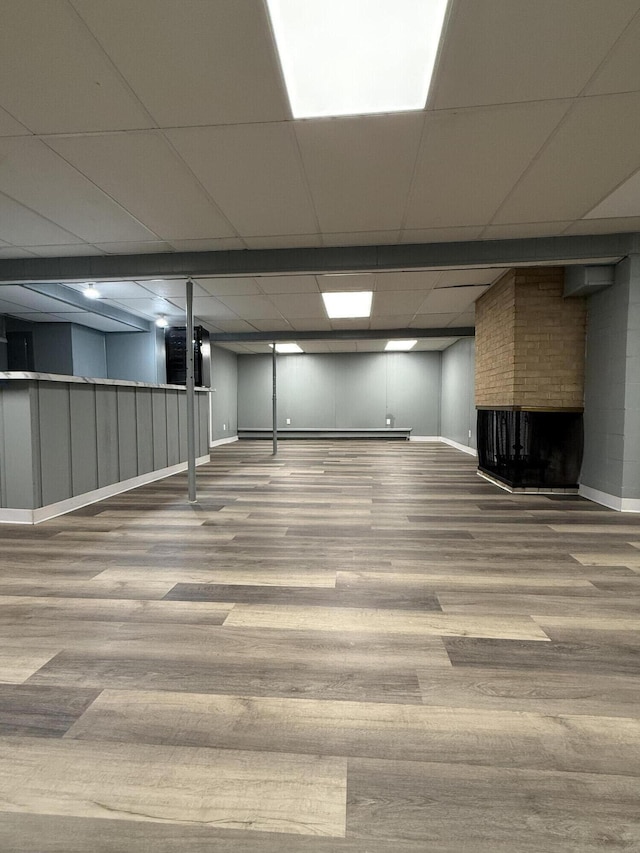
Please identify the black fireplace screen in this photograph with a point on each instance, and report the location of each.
(531, 449)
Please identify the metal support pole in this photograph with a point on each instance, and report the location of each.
(191, 398)
(274, 401)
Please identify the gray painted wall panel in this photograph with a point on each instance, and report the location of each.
(55, 441)
(345, 390)
(84, 448)
(202, 424)
(107, 432)
(173, 437)
(127, 433)
(159, 429)
(19, 457)
(89, 352)
(138, 356)
(458, 416)
(224, 399)
(182, 425)
(144, 430)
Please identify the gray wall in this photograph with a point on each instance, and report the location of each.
(224, 393)
(612, 386)
(458, 412)
(52, 347)
(137, 356)
(345, 390)
(89, 352)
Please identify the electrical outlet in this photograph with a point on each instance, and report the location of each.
(388, 421)
(224, 427)
(288, 420)
(469, 433)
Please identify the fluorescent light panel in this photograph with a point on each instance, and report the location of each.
(349, 304)
(400, 346)
(287, 348)
(353, 57)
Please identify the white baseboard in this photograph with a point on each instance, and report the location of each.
(610, 501)
(218, 441)
(424, 438)
(463, 447)
(44, 513)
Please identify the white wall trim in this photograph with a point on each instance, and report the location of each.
(463, 447)
(424, 438)
(218, 441)
(611, 501)
(35, 516)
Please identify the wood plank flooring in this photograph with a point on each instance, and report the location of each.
(354, 647)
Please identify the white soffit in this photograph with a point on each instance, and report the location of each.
(192, 62)
(143, 174)
(504, 51)
(253, 173)
(624, 201)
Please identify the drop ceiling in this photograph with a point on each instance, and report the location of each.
(163, 126)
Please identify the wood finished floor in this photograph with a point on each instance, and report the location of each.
(355, 647)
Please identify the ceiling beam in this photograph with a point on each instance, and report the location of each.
(341, 335)
(248, 262)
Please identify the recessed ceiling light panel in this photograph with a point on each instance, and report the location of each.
(349, 304)
(287, 348)
(353, 57)
(400, 346)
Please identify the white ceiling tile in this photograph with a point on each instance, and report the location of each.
(525, 229)
(398, 321)
(23, 227)
(440, 235)
(142, 173)
(117, 290)
(148, 247)
(622, 202)
(234, 326)
(434, 344)
(621, 70)
(15, 252)
(314, 347)
(288, 284)
(220, 245)
(342, 346)
(362, 238)
(339, 282)
(388, 303)
(605, 226)
(206, 306)
(490, 148)
(38, 178)
(467, 318)
(7, 306)
(95, 321)
(74, 250)
(359, 169)
(370, 346)
(451, 299)
(54, 78)
(415, 280)
(271, 325)
(288, 241)
(229, 286)
(146, 307)
(253, 173)
(433, 321)
(292, 305)
(174, 290)
(10, 127)
(193, 62)
(504, 51)
(455, 278)
(311, 324)
(251, 307)
(594, 150)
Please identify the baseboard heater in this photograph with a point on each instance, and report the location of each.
(388, 433)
